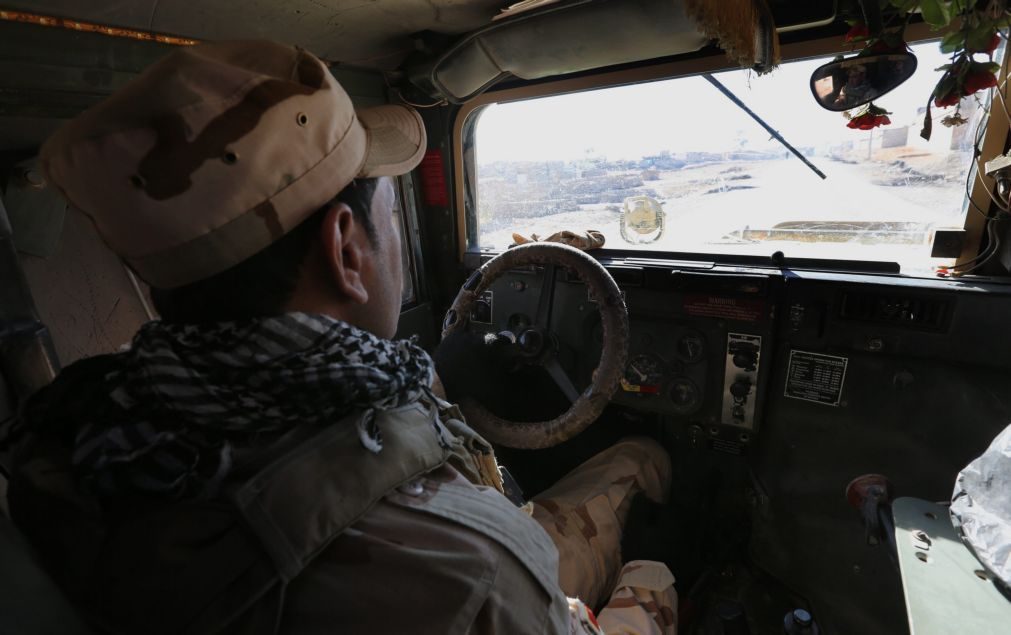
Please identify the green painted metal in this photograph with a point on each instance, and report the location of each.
(946, 589)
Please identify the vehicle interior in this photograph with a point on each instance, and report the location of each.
(808, 316)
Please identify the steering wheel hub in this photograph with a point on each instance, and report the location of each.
(532, 342)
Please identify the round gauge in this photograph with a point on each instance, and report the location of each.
(643, 375)
(691, 347)
(685, 396)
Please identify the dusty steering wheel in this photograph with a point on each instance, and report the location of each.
(536, 344)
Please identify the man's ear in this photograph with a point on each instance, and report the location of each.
(345, 245)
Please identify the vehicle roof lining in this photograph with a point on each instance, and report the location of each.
(361, 33)
(45, 69)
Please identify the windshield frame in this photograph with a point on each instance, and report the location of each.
(994, 138)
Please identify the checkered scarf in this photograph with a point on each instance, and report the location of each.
(186, 396)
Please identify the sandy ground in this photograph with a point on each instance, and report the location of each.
(705, 204)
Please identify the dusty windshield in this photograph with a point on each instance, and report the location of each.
(675, 166)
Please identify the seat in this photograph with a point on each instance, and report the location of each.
(30, 602)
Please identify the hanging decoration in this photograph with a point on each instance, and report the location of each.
(974, 34)
(869, 117)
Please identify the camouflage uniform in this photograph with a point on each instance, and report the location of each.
(584, 513)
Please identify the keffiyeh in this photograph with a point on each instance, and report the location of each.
(184, 397)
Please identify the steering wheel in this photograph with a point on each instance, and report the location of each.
(536, 344)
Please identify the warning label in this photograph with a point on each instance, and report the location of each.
(816, 377)
(740, 309)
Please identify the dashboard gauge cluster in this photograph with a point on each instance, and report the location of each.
(643, 375)
(685, 396)
(666, 369)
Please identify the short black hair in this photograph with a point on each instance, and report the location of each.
(262, 284)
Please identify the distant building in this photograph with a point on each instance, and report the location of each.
(894, 137)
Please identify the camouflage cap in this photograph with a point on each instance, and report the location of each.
(218, 150)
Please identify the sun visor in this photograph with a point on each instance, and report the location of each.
(561, 38)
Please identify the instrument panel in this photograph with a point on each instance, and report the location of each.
(667, 369)
(696, 341)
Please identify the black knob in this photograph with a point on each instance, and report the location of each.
(745, 359)
(740, 388)
(531, 341)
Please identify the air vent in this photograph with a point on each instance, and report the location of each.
(896, 309)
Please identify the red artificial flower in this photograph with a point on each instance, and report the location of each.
(978, 80)
(951, 99)
(867, 121)
(858, 31)
(992, 45)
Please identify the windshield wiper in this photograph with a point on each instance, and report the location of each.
(775, 135)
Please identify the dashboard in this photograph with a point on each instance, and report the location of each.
(697, 344)
(816, 376)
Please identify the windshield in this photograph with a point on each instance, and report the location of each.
(676, 166)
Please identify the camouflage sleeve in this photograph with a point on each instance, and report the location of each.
(643, 603)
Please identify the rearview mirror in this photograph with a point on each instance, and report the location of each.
(846, 84)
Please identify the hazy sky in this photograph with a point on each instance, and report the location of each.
(687, 114)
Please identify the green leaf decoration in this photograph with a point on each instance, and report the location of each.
(978, 38)
(935, 13)
(945, 86)
(953, 42)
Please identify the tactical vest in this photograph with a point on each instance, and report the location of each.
(196, 566)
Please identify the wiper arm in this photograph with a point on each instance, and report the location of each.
(775, 135)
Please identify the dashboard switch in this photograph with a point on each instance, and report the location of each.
(744, 356)
(740, 388)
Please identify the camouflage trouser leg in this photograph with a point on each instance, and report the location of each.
(585, 511)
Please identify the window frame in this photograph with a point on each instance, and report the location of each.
(410, 238)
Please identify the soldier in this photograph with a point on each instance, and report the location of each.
(264, 458)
